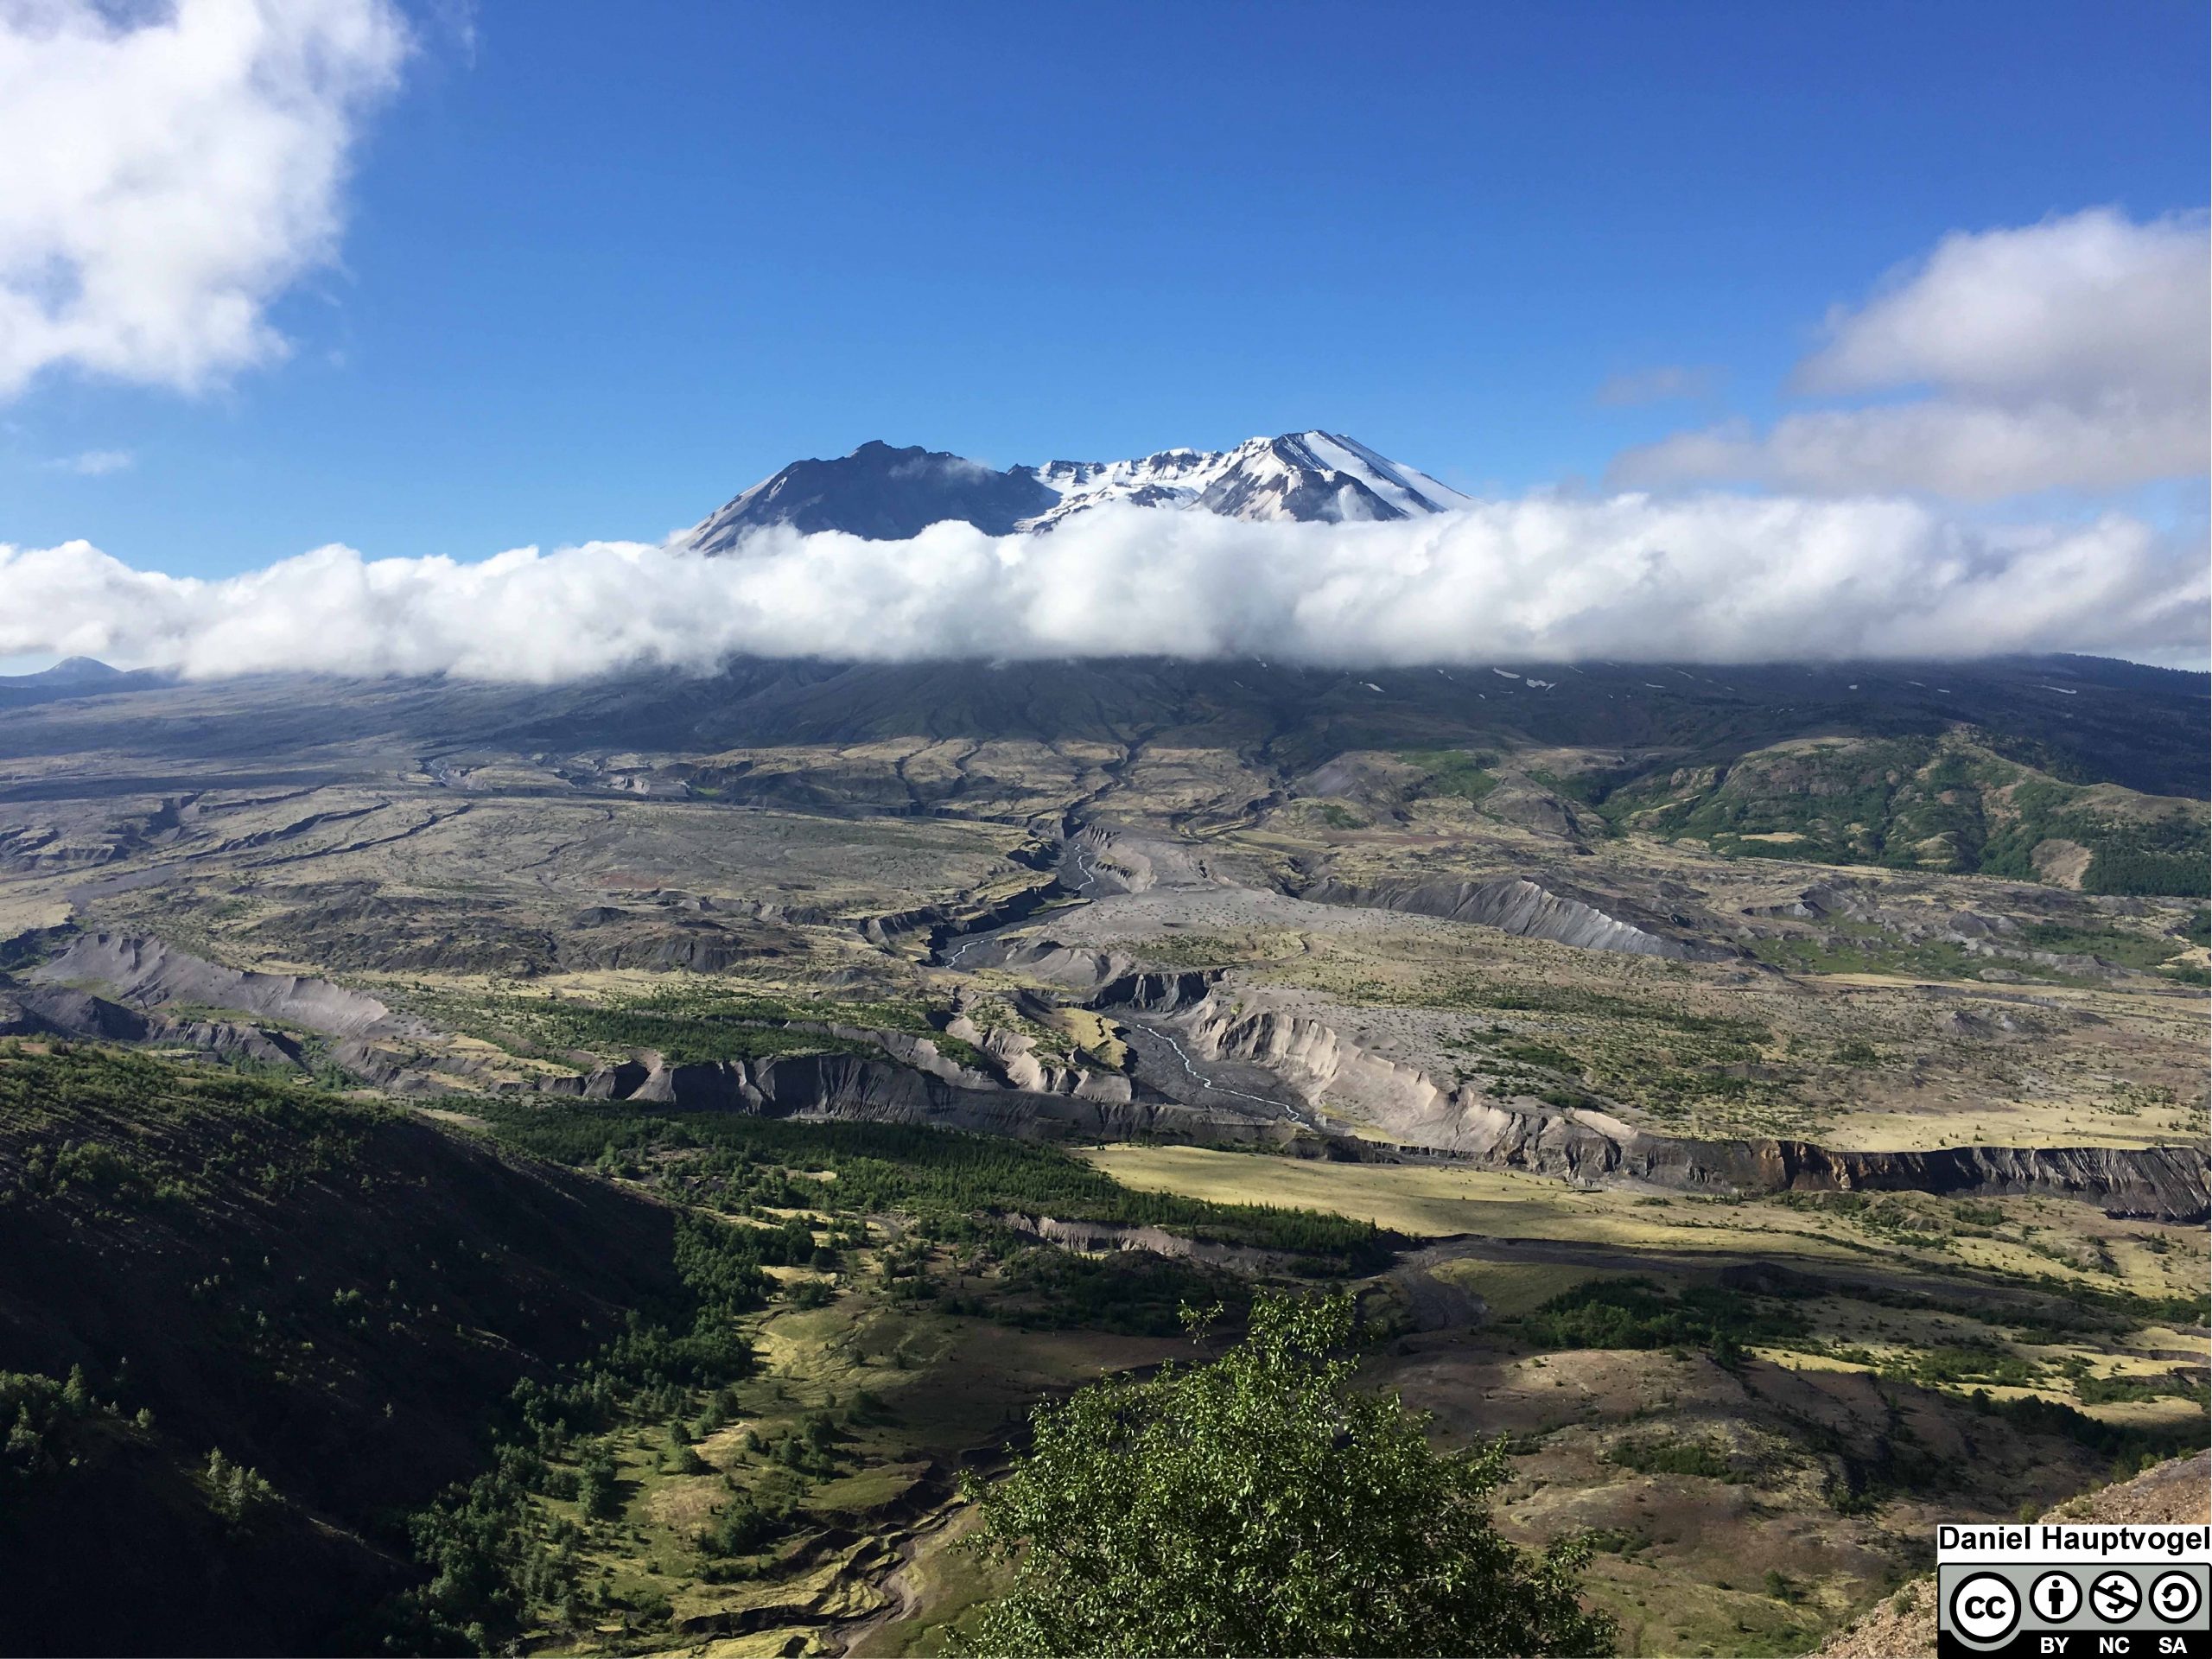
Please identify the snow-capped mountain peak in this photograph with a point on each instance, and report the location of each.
(885, 493)
(1320, 475)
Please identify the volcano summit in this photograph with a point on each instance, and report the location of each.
(887, 494)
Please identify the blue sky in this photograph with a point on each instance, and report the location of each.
(600, 269)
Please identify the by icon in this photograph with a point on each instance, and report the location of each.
(2055, 1597)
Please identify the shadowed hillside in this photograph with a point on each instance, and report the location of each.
(333, 1296)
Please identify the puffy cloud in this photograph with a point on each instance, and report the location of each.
(166, 178)
(2072, 354)
(1975, 451)
(1716, 578)
(2073, 308)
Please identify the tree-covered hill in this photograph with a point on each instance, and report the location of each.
(1951, 802)
(245, 1327)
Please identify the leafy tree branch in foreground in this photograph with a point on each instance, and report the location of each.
(1262, 1504)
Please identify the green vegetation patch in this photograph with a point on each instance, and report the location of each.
(2077, 938)
(2132, 1446)
(1130, 1293)
(72, 1113)
(496, 1550)
(688, 1025)
(1659, 1455)
(1670, 1060)
(1639, 1313)
(1876, 953)
(867, 1168)
(1453, 774)
(1949, 803)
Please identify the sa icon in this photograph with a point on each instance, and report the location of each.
(2175, 1596)
(1984, 1607)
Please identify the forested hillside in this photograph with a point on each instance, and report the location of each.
(1949, 802)
(246, 1326)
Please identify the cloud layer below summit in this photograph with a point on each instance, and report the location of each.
(1714, 578)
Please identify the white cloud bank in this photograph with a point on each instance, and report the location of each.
(1716, 579)
(164, 177)
(2072, 354)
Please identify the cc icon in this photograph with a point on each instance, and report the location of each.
(1984, 1607)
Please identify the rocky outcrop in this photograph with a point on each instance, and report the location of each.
(1532, 910)
(1109, 1237)
(1158, 990)
(833, 1086)
(1079, 970)
(2154, 1183)
(147, 973)
(1014, 1055)
(1592, 1147)
(945, 922)
(64, 1011)
(162, 996)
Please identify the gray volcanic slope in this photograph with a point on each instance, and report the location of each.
(2113, 721)
(1528, 910)
(147, 973)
